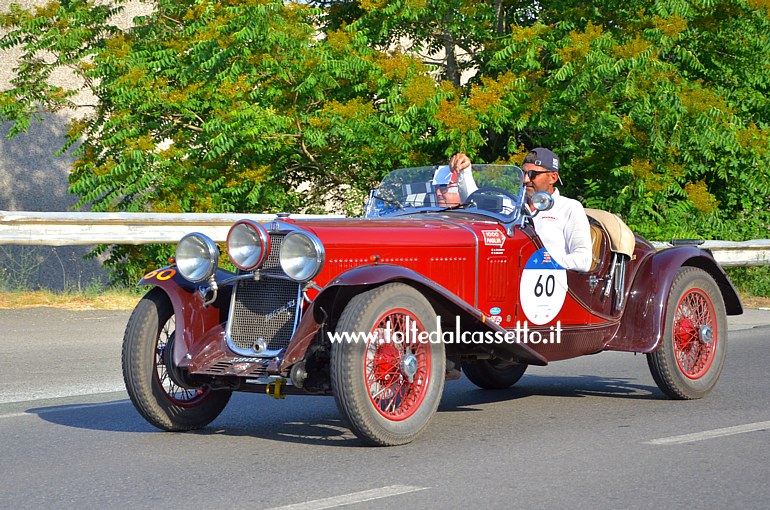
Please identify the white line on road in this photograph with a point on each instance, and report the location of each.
(711, 434)
(15, 415)
(80, 390)
(352, 498)
(61, 408)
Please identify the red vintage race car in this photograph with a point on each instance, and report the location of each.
(379, 311)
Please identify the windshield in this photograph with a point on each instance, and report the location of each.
(493, 190)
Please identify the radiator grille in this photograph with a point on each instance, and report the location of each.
(265, 309)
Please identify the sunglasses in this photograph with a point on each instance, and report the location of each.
(534, 173)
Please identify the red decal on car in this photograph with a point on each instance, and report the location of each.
(493, 238)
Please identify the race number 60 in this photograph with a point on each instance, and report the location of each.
(543, 288)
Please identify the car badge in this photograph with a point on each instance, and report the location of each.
(288, 307)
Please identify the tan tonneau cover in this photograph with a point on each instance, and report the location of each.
(622, 240)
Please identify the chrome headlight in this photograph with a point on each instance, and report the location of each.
(248, 244)
(541, 201)
(302, 255)
(197, 257)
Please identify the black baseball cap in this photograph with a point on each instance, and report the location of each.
(544, 158)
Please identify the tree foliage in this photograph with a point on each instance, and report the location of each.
(659, 109)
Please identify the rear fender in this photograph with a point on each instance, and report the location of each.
(191, 317)
(644, 317)
(331, 301)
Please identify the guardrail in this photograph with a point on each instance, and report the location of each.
(755, 252)
(86, 228)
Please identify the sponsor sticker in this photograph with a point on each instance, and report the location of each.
(493, 238)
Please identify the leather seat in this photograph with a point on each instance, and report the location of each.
(596, 245)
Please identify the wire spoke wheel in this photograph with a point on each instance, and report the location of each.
(693, 347)
(695, 334)
(159, 391)
(176, 393)
(388, 384)
(396, 366)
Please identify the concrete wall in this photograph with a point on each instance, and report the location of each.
(33, 178)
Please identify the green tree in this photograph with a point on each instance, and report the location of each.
(221, 106)
(658, 109)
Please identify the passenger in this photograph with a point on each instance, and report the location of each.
(564, 229)
(454, 183)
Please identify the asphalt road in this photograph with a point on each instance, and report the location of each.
(588, 433)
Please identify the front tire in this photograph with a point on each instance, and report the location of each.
(152, 385)
(493, 374)
(385, 385)
(689, 360)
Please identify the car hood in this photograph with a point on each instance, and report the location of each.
(408, 232)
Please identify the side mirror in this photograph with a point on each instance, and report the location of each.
(541, 201)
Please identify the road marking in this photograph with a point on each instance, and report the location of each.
(61, 408)
(711, 434)
(15, 415)
(67, 392)
(352, 498)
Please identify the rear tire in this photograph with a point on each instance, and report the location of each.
(159, 396)
(690, 357)
(387, 390)
(493, 374)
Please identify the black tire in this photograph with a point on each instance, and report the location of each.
(160, 398)
(687, 363)
(493, 374)
(370, 379)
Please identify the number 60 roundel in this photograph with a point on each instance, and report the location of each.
(543, 288)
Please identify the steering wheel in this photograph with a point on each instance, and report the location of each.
(504, 208)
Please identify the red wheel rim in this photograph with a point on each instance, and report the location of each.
(693, 349)
(392, 344)
(177, 395)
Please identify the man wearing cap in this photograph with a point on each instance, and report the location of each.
(564, 229)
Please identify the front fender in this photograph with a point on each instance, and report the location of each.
(331, 301)
(192, 319)
(644, 317)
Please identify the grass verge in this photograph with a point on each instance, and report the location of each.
(105, 300)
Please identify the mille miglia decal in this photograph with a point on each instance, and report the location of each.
(493, 238)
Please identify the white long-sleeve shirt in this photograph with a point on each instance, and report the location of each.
(565, 233)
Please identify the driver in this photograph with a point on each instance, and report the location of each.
(564, 229)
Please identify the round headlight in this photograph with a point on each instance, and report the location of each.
(301, 256)
(248, 244)
(542, 201)
(197, 257)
